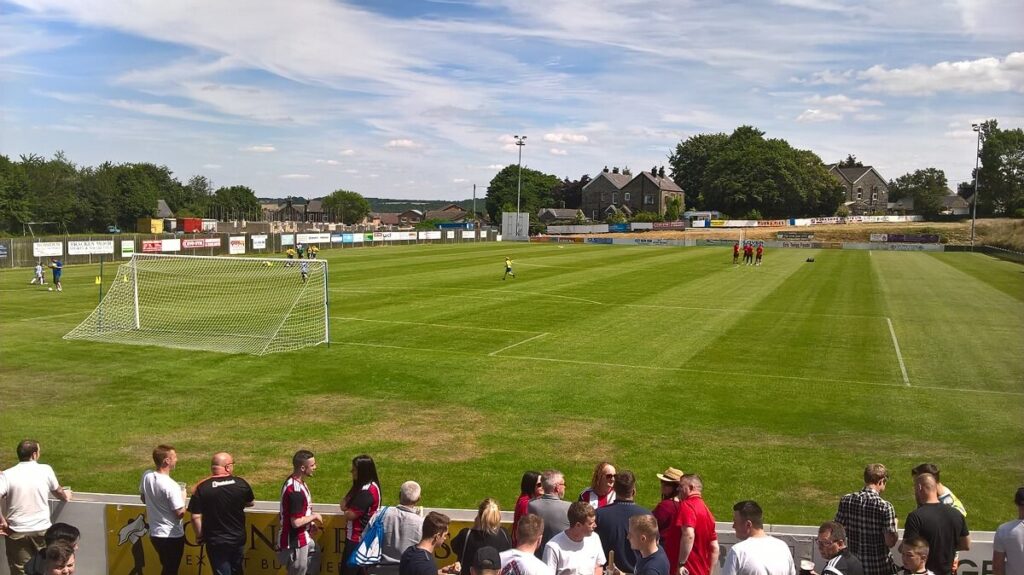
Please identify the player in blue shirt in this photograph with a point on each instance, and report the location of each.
(58, 268)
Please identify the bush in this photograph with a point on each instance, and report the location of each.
(1018, 213)
(842, 212)
(646, 217)
(753, 214)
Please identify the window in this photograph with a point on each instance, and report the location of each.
(874, 194)
(615, 197)
(648, 199)
(860, 193)
(602, 197)
(625, 196)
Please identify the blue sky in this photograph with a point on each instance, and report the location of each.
(420, 99)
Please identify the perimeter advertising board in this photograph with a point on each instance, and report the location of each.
(259, 242)
(127, 248)
(129, 552)
(236, 245)
(47, 249)
(87, 247)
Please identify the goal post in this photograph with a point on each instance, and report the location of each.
(227, 304)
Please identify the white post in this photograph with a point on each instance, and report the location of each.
(327, 310)
(974, 202)
(135, 290)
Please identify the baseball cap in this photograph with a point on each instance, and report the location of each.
(487, 558)
(1019, 497)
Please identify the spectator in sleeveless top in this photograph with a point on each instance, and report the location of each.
(486, 532)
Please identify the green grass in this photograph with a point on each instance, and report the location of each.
(776, 383)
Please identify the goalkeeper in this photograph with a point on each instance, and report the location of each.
(304, 270)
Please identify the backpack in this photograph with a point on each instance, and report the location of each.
(369, 551)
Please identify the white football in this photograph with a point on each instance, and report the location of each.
(49, 289)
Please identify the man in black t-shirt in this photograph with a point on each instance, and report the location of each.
(218, 515)
(942, 526)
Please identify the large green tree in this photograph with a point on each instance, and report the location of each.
(15, 207)
(348, 207)
(689, 163)
(569, 193)
(191, 199)
(537, 190)
(235, 203)
(1001, 181)
(926, 187)
(749, 173)
(53, 189)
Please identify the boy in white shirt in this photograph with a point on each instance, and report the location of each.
(577, 550)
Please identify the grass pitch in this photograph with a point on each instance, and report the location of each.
(776, 383)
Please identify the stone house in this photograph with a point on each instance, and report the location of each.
(649, 192)
(866, 190)
(603, 191)
(548, 215)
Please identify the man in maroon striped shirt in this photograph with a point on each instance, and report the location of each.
(299, 524)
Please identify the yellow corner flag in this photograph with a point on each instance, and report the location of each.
(97, 280)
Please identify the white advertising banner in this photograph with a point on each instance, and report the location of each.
(469, 234)
(451, 234)
(432, 235)
(259, 242)
(78, 248)
(314, 238)
(127, 248)
(172, 245)
(47, 249)
(236, 245)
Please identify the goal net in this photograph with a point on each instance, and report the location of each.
(226, 304)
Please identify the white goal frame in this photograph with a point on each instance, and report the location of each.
(255, 305)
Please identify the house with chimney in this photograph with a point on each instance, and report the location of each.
(614, 191)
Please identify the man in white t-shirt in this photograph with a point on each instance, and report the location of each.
(577, 550)
(522, 559)
(757, 553)
(25, 517)
(165, 506)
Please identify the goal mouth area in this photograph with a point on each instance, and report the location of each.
(238, 305)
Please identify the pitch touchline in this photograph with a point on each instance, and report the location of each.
(899, 356)
(529, 339)
(432, 324)
(498, 291)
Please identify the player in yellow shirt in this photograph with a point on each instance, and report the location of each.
(508, 269)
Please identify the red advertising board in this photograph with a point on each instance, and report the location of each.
(192, 244)
(151, 246)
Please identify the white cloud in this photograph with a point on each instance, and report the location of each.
(827, 78)
(811, 115)
(259, 149)
(163, 111)
(558, 138)
(328, 162)
(212, 166)
(348, 152)
(295, 176)
(459, 180)
(402, 143)
(498, 167)
(969, 76)
(558, 152)
(840, 103)
(353, 171)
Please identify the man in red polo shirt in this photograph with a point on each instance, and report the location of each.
(698, 548)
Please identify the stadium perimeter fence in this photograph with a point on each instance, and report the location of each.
(114, 538)
(87, 249)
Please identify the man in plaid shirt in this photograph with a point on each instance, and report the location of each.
(870, 522)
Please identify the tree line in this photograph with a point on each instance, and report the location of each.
(91, 198)
(745, 175)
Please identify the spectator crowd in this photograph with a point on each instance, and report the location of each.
(602, 531)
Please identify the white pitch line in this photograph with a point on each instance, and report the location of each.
(823, 380)
(527, 340)
(899, 355)
(46, 317)
(432, 324)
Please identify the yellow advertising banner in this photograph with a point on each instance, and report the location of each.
(129, 551)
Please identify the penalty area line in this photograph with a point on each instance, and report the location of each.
(527, 340)
(899, 356)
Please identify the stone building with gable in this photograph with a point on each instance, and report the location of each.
(866, 190)
(622, 192)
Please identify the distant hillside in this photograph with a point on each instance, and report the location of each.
(391, 205)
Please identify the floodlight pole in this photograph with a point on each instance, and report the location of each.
(974, 203)
(520, 141)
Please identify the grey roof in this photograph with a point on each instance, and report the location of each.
(559, 213)
(954, 201)
(163, 210)
(664, 184)
(315, 206)
(851, 175)
(617, 180)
